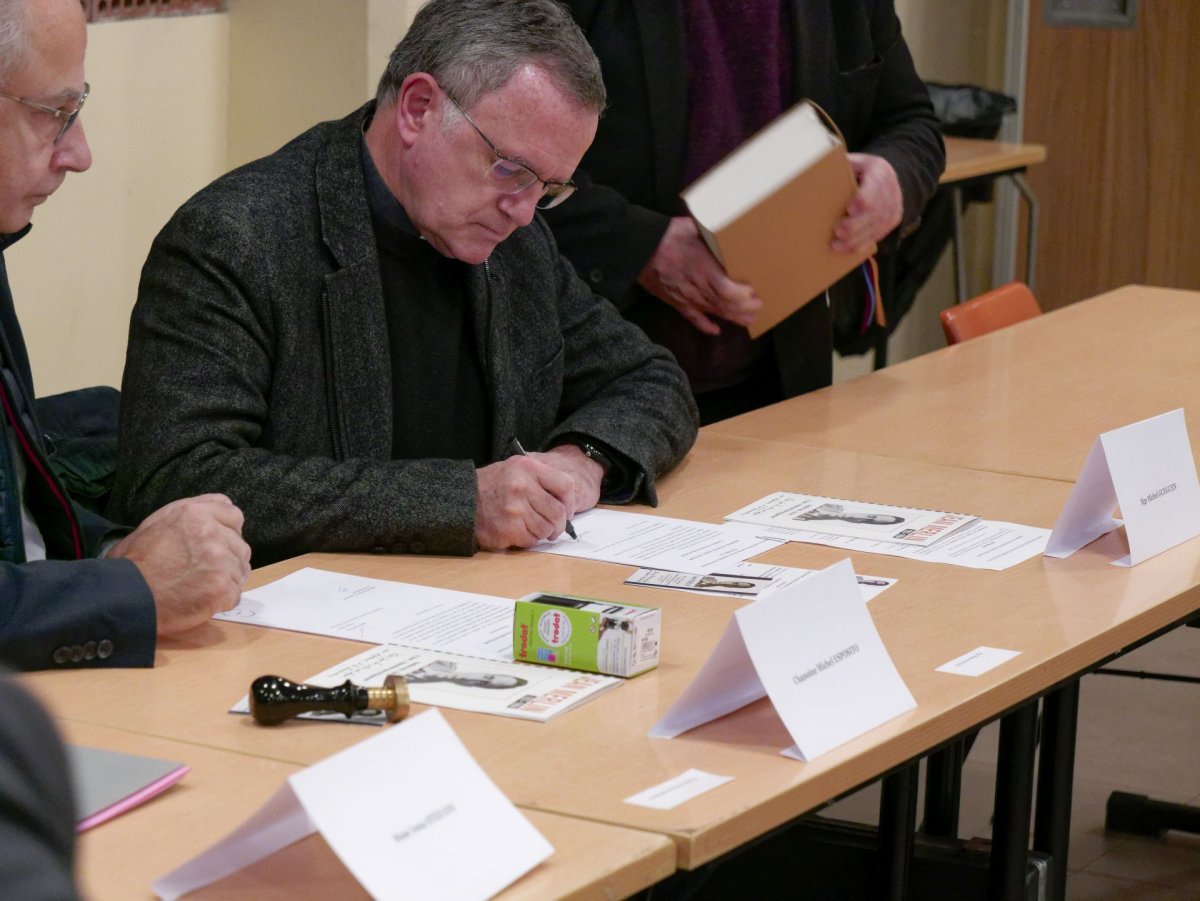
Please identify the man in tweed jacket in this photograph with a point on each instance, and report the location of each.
(282, 346)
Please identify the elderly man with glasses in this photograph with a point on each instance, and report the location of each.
(75, 590)
(355, 336)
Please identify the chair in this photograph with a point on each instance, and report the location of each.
(1000, 307)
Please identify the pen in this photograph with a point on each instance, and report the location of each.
(515, 447)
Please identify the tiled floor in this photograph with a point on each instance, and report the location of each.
(1135, 735)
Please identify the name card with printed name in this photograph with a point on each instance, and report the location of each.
(1146, 469)
(402, 810)
(814, 651)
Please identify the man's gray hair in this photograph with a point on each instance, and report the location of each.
(473, 47)
(14, 39)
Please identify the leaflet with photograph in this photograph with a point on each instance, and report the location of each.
(477, 684)
(852, 519)
(985, 544)
(745, 580)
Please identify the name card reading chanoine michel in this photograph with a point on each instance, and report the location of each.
(814, 651)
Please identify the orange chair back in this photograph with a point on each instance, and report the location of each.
(1006, 305)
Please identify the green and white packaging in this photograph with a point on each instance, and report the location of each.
(586, 634)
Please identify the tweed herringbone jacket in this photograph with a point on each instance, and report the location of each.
(259, 365)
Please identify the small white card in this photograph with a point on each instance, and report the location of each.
(1146, 469)
(400, 809)
(978, 661)
(815, 651)
(670, 794)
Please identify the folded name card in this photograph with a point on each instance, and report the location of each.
(1146, 469)
(400, 809)
(814, 650)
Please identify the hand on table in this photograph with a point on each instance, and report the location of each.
(193, 559)
(521, 500)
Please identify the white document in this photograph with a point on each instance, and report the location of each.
(745, 580)
(985, 544)
(670, 794)
(381, 612)
(1146, 469)
(637, 539)
(815, 651)
(978, 661)
(400, 809)
(852, 519)
(519, 690)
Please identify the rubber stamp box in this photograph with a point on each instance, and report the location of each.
(586, 634)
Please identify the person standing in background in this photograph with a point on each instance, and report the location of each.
(691, 80)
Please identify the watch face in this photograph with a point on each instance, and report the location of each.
(594, 453)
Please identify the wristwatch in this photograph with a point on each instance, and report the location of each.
(594, 453)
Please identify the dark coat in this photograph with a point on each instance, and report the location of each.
(847, 55)
(61, 612)
(37, 819)
(259, 365)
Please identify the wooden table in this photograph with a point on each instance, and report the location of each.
(970, 161)
(121, 858)
(1062, 615)
(1029, 399)
(887, 437)
(968, 158)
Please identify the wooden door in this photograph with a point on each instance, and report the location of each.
(1119, 110)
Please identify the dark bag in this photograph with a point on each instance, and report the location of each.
(80, 430)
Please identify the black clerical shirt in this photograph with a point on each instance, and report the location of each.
(440, 406)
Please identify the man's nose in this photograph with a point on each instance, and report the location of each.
(72, 153)
(521, 207)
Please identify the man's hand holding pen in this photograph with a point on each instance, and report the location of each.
(529, 497)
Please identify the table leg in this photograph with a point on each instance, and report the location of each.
(1056, 772)
(960, 254)
(1031, 204)
(943, 790)
(1013, 804)
(897, 828)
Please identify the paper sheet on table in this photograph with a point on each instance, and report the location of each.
(637, 539)
(987, 544)
(746, 580)
(400, 810)
(381, 612)
(520, 690)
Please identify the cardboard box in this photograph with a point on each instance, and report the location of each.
(586, 634)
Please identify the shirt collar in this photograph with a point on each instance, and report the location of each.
(7, 241)
(386, 211)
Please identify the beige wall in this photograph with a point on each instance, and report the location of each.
(175, 103)
(324, 63)
(156, 121)
(178, 101)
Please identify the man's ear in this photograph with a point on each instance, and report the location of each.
(418, 106)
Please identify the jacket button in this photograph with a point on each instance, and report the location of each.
(596, 276)
(76, 653)
(379, 549)
(89, 651)
(417, 547)
(62, 655)
(104, 649)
